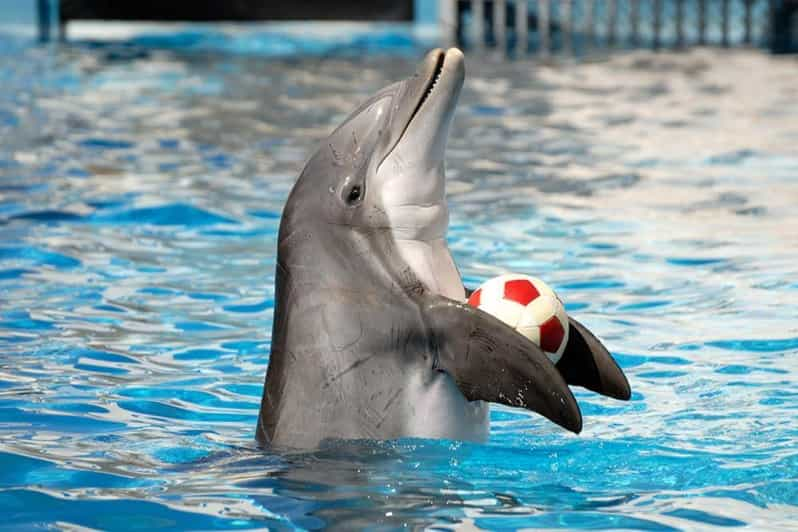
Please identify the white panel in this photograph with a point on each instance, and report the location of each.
(507, 311)
(532, 332)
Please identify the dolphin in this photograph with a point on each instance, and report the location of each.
(371, 336)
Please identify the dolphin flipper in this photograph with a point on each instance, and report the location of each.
(586, 362)
(490, 361)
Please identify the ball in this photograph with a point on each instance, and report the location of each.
(528, 305)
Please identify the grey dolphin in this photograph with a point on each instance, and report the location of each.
(371, 338)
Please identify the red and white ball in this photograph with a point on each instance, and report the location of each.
(528, 305)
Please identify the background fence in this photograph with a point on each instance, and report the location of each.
(550, 26)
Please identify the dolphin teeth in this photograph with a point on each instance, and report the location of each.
(435, 79)
(427, 91)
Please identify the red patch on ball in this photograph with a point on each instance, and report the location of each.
(475, 297)
(551, 334)
(521, 291)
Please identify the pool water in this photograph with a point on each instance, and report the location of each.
(140, 196)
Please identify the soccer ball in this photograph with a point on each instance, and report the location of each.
(528, 305)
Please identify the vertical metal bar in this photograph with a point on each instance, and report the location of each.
(588, 27)
(57, 21)
(543, 27)
(43, 14)
(478, 23)
(566, 15)
(771, 31)
(702, 22)
(724, 22)
(521, 29)
(612, 19)
(634, 22)
(500, 24)
(449, 21)
(657, 22)
(679, 23)
(747, 35)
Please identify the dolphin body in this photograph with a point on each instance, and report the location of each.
(371, 337)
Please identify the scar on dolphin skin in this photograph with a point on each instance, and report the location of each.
(340, 374)
(387, 407)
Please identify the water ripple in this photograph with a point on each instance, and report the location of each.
(140, 198)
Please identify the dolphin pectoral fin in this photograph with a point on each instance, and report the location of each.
(586, 362)
(489, 361)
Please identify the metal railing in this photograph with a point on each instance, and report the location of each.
(573, 26)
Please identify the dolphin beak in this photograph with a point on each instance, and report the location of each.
(430, 96)
(447, 67)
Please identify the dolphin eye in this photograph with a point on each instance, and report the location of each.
(354, 194)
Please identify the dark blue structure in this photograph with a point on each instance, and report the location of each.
(780, 27)
(784, 24)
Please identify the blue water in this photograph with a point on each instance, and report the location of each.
(140, 195)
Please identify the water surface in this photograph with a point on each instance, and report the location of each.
(140, 195)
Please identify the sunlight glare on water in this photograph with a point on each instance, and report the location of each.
(140, 196)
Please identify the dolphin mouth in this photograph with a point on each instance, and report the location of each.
(436, 85)
(430, 86)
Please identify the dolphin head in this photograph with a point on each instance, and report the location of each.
(383, 167)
